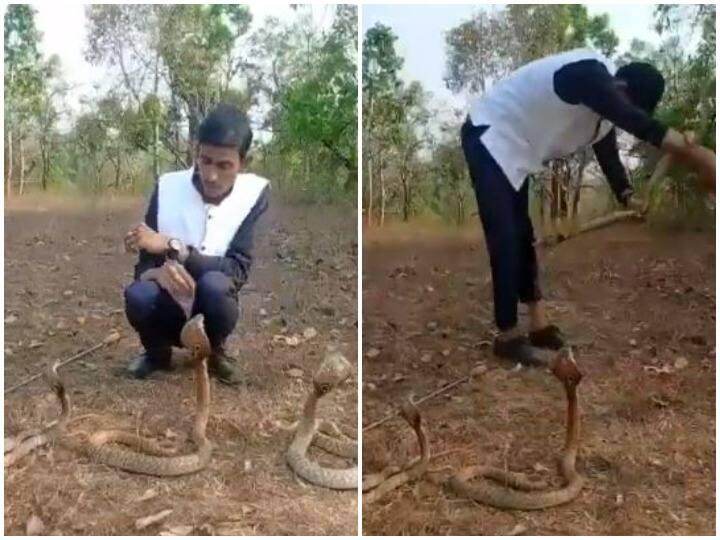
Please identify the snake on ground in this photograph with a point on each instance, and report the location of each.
(377, 485)
(333, 371)
(140, 455)
(515, 491)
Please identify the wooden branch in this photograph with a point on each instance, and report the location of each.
(593, 224)
(113, 337)
(431, 395)
(660, 170)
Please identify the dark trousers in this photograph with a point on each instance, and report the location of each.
(158, 319)
(508, 230)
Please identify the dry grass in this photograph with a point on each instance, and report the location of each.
(247, 489)
(648, 446)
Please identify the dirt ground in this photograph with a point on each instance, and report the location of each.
(65, 270)
(640, 305)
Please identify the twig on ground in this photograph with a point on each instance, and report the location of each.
(431, 395)
(113, 337)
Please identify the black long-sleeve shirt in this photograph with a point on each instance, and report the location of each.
(588, 82)
(238, 258)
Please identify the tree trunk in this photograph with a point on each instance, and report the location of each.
(541, 208)
(192, 130)
(370, 193)
(98, 180)
(9, 171)
(307, 170)
(9, 157)
(156, 150)
(458, 208)
(351, 178)
(406, 197)
(22, 166)
(404, 176)
(382, 197)
(44, 155)
(554, 195)
(578, 183)
(118, 167)
(371, 162)
(156, 127)
(175, 118)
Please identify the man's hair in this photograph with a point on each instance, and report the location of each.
(645, 84)
(226, 126)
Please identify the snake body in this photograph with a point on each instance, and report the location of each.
(332, 371)
(516, 492)
(140, 455)
(375, 486)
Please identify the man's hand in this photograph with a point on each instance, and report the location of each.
(685, 149)
(179, 284)
(143, 237)
(173, 277)
(635, 204)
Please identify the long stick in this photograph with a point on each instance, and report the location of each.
(111, 338)
(417, 402)
(660, 170)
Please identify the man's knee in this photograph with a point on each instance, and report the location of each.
(213, 286)
(141, 298)
(215, 298)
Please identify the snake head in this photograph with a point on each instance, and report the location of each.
(52, 378)
(411, 414)
(194, 338)
(333, 370)
(564, 367)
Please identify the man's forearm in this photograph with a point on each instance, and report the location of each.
(147, 261)
(607, 155)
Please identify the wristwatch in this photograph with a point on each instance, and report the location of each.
(176, 250)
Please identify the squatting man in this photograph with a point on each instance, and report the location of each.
(196, 242)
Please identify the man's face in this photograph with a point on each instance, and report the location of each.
(218, 166)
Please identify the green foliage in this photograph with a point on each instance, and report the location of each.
(314, 118)
(406, 171)
(381, 62)
(172, 64)
(194, 43)
(490, 44)
(477, 52)
(687, 105)
(23, 65)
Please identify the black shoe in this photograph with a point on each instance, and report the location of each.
(220, 366)
(518, 349)
(144, 364)
(549, 337)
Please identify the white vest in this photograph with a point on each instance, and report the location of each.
(210, 228)
(529, 123)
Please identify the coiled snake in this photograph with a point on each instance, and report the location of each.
(141, 455)
(333, 370)
(515, 491)
(526, 494)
